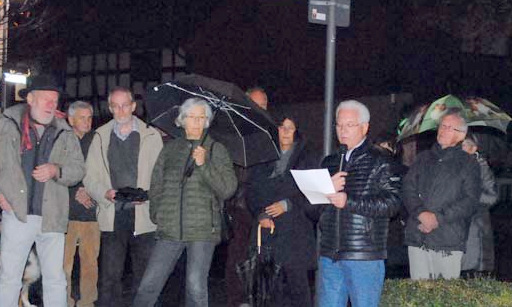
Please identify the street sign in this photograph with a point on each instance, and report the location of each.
(318, 12)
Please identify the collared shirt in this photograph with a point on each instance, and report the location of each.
(347, 156)
(117, 129)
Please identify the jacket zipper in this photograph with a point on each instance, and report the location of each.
(183, 182)
(34, 164)
(182, 190)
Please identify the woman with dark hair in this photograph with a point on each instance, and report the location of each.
(276, 203)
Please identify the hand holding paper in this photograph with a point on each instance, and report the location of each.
(339, 199)
(316, 184)
(338, 180)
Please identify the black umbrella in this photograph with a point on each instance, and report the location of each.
(260, 276)
(246, 130)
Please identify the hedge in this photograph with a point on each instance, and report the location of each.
(440, 293)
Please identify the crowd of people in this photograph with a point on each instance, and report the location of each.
(63, 185)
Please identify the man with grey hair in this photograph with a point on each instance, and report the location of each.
(123, 153)
(40, 159)
(441, 192)
(354, 226)
(82, 227)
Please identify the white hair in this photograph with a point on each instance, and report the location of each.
(79, 104)
(457, 113)
(120, 89)
(362, 110)
(187, 105)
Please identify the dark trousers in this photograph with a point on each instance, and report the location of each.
(114, 248)
(238, 248)
(296, 292)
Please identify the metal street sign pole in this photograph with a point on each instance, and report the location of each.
(330, 66)
(332, 13)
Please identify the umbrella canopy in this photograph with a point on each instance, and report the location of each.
(479, 112)
(247, 131)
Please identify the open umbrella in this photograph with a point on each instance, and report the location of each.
(246, 130)
(479, 112)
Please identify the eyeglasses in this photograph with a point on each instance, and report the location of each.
(450, 128)
(347, 125)
(121, 106)
(286, 128)
(196, 118)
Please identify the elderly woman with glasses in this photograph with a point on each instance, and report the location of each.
(186, 207)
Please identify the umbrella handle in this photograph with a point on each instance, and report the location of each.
(272, 228)
(259, 239)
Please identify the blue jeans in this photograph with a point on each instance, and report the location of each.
(161, 264)
(361, 281)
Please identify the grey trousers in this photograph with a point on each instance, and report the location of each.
(17, 240)
(161, 264)
(429, 264)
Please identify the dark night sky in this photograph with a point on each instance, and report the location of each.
(390, 45)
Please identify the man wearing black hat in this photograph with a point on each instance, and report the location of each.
(41, 158)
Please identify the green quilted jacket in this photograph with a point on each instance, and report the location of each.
(190, 211)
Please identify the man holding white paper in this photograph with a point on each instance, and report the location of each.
(354, 226)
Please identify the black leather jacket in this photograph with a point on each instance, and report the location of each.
(360, 232)
(446, 182)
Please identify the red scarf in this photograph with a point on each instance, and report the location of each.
(26, 124)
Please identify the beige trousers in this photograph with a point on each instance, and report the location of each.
(87, 236)
(429, 264)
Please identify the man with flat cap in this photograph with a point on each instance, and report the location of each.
(41, 158)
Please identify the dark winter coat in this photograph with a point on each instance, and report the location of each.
(446, 182)
(293, 243)
(190, 211)
(373, 198)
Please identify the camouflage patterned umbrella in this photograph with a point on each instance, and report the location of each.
(479, 112)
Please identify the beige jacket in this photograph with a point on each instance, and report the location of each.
(97, 179)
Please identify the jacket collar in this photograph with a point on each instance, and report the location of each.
(144, 129)
(440, 152)
(16, 112)
(360, 150)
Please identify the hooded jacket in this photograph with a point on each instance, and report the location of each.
(65, 153)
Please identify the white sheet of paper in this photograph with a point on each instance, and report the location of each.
(314, 184)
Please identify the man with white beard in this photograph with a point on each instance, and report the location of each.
(41, 158)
